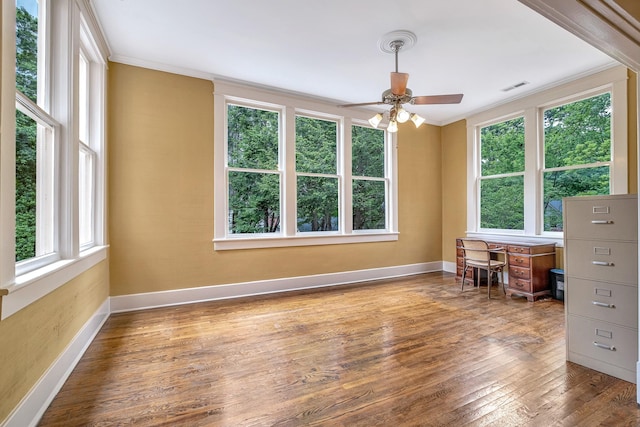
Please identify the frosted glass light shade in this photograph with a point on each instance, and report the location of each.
(393, 126)
(403, 115)
(417, 120)
(375, 120)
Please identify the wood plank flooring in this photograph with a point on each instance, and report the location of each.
(405, 352)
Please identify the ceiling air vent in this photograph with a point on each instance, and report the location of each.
(515, 86)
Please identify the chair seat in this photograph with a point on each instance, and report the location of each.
(478, 255)
(492, 263)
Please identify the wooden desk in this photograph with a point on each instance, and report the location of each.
(529, 263)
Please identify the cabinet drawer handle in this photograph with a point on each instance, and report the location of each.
(601, 221)
(604, 346)
(603, 263)
(603, 304)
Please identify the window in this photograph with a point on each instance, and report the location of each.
(317, 174)
(91, 77)
(253, 172)
(54, 204)
(299, 172)
(502, 175)
(36, 145)
(527, 155)
(370, 185)
(577, 153)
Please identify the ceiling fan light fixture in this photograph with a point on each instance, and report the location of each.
(402, 115)
(417, 120)
(393, 126)
(375, 120)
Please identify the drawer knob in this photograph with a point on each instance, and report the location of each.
(601, 221)
(603, 263)
(604, 346)
(603, 304)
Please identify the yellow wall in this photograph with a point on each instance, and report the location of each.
(454, 186)
(32, 339)
(161, 195)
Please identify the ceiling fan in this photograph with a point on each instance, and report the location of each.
(399, 94)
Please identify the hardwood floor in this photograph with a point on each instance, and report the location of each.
(405, 352)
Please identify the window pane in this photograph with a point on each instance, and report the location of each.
(27, 48)
(252, 138)
(576, 182)
(502, 203)
(367, 151)
(369, 211)
(254, 202)
(34, 189)
(86, 196)
(316, 145)
(83, 99)
(578, 133)
(502, 147)
(317, 203)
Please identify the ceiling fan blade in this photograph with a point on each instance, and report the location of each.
(437, 99)
(399, 83)
(361, 104)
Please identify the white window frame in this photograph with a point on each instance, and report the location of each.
(337, 175)
(291, 105)
(613, 80)
(388, 171)
(47, 180)
(58, 108)
(94, 146)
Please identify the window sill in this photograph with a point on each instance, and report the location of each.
(34, 285)
(516, 238)
(236, 243)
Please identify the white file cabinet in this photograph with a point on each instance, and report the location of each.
(601, 283)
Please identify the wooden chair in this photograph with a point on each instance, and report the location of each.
(478, 255)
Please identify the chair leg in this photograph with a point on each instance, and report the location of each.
(504, 291)
(489, 282)
(464, 274)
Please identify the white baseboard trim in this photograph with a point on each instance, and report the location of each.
(262, 287)
(32, 407)
(449, 267)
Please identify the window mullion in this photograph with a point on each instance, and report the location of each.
(288, 168)
(345, 163)
(533, 163)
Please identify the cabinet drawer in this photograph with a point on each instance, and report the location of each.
(519, 273)
(519, 249)
(602, 218)
(604, 301)
(520, 285)
(613, 344)
(603, 260)
(519, 261)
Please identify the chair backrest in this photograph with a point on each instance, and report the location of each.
(476, 250)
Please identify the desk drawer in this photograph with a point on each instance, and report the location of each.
(604, 301)
(602, 218)
(603, 260)
(613, 344)
(519, 260)
(520, 285)
(519, 273)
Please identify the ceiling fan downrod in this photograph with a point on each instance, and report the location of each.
(395, 46)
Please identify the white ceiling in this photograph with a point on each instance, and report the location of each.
(329, 48)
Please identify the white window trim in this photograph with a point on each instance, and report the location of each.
(291, 105)
(614, 80)
(19, 290)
